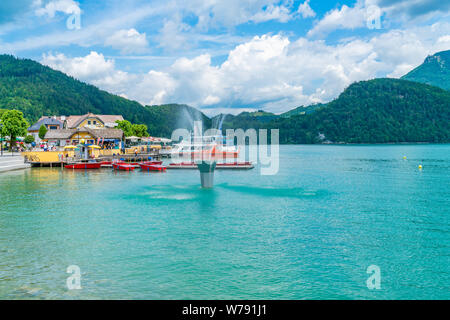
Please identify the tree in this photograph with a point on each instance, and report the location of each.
(42, 131)
(2, 111)
(29, 139)
(126, 127)
(14, 125)
(140, 130)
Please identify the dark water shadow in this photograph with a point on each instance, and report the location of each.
(275, 192)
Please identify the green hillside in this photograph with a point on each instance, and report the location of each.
(302, 110)
(244, 120)
(435, 70)
(167, 118)
(375, 111)
(37, 90)
(258, 119)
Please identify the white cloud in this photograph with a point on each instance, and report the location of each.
(231, 13)
(172, 35)
(52, 7)
(411, 9)
(269, 72)
(128, 41)
(89, 35)
(343, 18)
(155, 87)
(445, 39)
(210, 15)
(272, 12)
(93, 68)
(387, 12)
(305, 10)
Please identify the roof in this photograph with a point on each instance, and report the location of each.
(106, 133)
(45, 121)
(96, 133)
(59, 134)
(74, 121)
(108, 118)
(80, 119)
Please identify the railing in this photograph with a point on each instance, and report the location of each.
(31, 158)
(46, 156)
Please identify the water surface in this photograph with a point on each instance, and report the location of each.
(309, 232)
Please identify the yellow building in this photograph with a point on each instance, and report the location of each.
(84, 135)
(93, 121)
(90, 120)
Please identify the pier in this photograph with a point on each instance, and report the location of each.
(60, 158)
(9, 162)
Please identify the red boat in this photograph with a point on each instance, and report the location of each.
(105, 164)
(137, 164)
(83, 165)
(152, 162)
(152, 166)
(123, 166)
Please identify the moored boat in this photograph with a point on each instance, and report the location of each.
(207, 146)
(123, 166)
(83, 165)
(152, 166)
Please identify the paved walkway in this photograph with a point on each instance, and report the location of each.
(9, 162)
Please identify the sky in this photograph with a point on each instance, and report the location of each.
(226, 56)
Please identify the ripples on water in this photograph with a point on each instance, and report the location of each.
(309, 232)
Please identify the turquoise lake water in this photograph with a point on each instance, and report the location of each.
(309, 232)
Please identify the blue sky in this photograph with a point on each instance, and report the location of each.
(226, 56)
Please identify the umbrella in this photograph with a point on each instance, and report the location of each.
(94, 146)
(70, 147)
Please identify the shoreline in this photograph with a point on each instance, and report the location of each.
(364, 144)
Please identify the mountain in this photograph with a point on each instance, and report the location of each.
(166, 118)
(243, 120)
(302, 110)
(375, 111)
(38, 90)
(435, 70)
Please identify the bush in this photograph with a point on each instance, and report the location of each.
(29, 139)
(42, 131)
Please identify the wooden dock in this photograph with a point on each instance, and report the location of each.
(35, 161)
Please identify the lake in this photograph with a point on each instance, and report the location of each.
(308, 232)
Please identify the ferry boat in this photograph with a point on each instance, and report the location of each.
(206, 146)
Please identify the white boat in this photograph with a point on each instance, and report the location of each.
(204, 146)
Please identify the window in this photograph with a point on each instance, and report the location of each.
(95, 122)
(89, 122)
